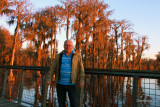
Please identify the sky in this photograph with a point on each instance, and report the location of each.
(144, 15)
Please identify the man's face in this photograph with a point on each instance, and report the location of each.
(68, 46)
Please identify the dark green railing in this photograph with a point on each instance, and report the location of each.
(99, 73)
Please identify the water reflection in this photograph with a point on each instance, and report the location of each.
(117, 91)
(107, 91)
(99, 90)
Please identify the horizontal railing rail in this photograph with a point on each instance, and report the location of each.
(41, 68)
(139, 73)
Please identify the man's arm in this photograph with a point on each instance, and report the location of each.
(82, 73)
(51, 71)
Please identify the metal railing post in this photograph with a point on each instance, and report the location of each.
(21, 88)
(135, 91)
(5, 82)
(45, 90)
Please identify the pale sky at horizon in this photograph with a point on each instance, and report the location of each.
(143, 14)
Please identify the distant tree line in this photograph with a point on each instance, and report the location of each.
(101, 41)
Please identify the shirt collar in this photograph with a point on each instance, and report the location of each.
(70, 53)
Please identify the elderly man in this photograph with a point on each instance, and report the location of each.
(67, 67)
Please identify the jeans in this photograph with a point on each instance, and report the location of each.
(72, 93)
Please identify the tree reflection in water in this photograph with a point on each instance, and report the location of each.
(11, 80)
(112, 91)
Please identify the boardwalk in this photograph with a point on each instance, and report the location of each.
(7, 103)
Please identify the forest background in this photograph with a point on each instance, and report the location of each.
(102, 42)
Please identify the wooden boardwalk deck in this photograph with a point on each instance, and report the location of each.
(7, 103)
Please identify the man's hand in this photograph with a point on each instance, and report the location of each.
(48, 82)
(81, 84)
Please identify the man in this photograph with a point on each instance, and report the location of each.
(67, 67)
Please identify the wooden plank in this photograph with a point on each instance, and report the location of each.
(7, 103)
